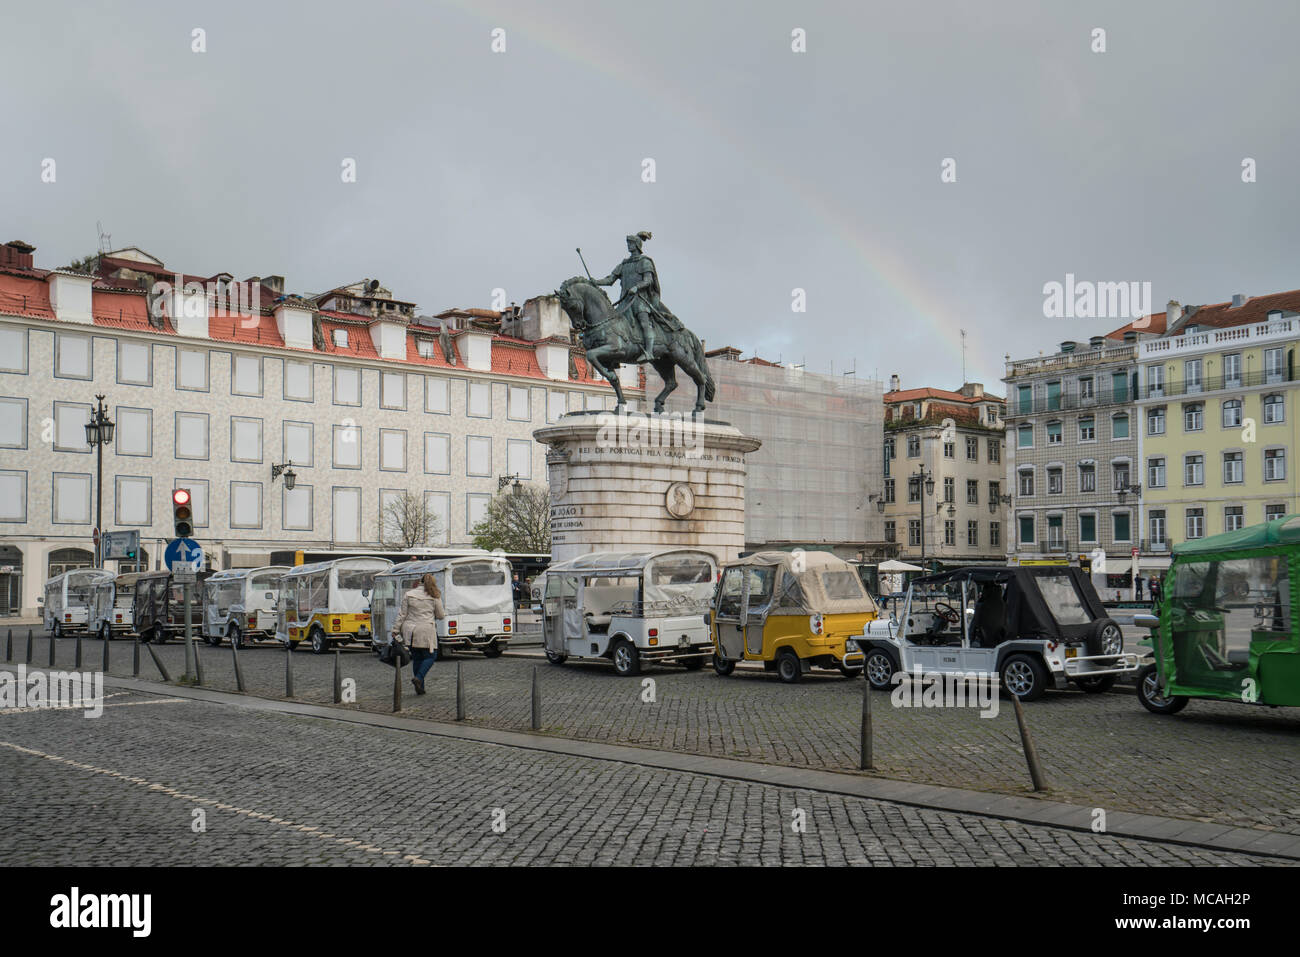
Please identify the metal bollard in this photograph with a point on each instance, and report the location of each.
(135, 658)
(106, 644)
(157, 661)
(866, 761)
(239, 672)
(288, 671)
(537, 702)
(338, 677)
(9, 646)
(51, 650)
(198, 666)
(397, 685)
(29, 647)
(460, 692)
(1031, 753)
(78, 665)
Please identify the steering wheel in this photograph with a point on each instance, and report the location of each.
(946, 612)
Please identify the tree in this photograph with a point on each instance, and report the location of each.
(406, 521)
(518, 520)
(87, 264)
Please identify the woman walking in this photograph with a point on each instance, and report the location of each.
(416, 624)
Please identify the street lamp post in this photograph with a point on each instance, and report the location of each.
(924, 486)
(99, 432)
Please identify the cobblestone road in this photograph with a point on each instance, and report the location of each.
(129, 787)
(1217, 762)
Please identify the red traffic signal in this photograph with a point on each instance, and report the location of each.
(182, 513)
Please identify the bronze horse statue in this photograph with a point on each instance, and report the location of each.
(612, 339)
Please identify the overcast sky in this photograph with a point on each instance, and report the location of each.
(775, 170)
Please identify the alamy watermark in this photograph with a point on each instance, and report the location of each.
(53, 689)
(663, 431)
(971, 689)
(196, 298)
(1084, 299)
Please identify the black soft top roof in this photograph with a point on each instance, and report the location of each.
(1028, 612)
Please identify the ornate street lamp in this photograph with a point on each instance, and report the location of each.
(504, 480)
(99, 432)
(290, 476)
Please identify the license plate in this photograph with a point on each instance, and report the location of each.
(1072, 652)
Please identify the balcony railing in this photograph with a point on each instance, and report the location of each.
(1218, 383)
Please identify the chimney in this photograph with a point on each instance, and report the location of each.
(1239, 299)
(274, 283)
(17, 254)
(1173, 312)
(895, 383)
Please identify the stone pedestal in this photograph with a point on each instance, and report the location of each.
(638, 481)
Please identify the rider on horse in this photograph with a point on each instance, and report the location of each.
(639, 284)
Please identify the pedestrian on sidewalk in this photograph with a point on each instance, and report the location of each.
(1137, 588)
(417, 625)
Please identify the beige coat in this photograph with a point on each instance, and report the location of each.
(416, 621)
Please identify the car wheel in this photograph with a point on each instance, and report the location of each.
(1097, 685)
(693, 664)
(236, 637)
(626, 660)
(1025, 677)
(1148, 690)
(723, 666)
(555, 657)
(319, 643)
(492, 650)
(788, 666)
(880, 670)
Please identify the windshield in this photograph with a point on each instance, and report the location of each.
(681, 571)
(477, 574)
(842, 584)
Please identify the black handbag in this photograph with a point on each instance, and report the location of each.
(395, 653)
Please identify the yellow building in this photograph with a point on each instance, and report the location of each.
(1219, 419)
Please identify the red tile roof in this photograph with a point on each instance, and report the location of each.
(23, 296)
(1219, 315)
(911, 395)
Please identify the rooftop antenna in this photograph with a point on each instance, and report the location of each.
(105, 240)
(963, 357)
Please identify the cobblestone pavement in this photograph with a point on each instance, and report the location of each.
(1220, 762)
(132, 788)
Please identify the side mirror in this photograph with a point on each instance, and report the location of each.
(708, 617)
(365, 593)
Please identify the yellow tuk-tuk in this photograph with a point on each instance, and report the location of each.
(793, 611)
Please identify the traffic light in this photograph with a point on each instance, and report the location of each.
(182, 513)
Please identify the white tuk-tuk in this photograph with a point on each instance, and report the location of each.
(476, 594)
(112, 602)
(327, 603)
(630, 607)
(239, 604)
(67, 600)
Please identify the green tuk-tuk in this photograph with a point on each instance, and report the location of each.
(1227, 625)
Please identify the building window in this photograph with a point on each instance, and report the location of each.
(889, 530)
(1232, 370)
(1156, 472)
(13, 496)
(245, 439)
(1274, 465)
(72, 356)
(995, 492)
(950, 450)
(347, 386)
(1085, 388)
(245, 504)
(913, 446)
(1195, 523)
(298, 385)
(1025, 437)
(913, 490)
(13, 349)
(1274, 409)
(192, 370)
(1026, 530)
(949, 532)
(913, 532)
(437, 453)
(1087, 429)
(1054, 397)
(437, 396)
(70, 420)
(519, 458)
(134, 363)
(1233, 468)
(1055, 531)
(973, 534)
(1234, 518)
(347, 448)
(479, 400)
(392, 390)
(392, 450)
(949, 490)
(131, 500)
(1232, 414)
(889, 490)
(1274, 512)
(972, 449)
(1053, 433)
(1157, 527)
(296, 508)
(1119, 386)
(345, 514)
(191, 441)
(1192, 375)
(1025, 399)
(1120, 526)
(1119, 426)
(439, 505)
(995, 451)
(1026, 481)
(134, 434)
(554, 406)
(71, 503)
(1273, 365)
(1055, 482)
(1087, 478)
(1120, 472)
(298, 441)
(340, 337)
(1193, 417)
(1155, 380)
(1193, 469)
(995, 534)
(889, 449)
(1156, 421)
(13, 423)
(518, 406)
(972, 492)
(246, 375)
(478, 455)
